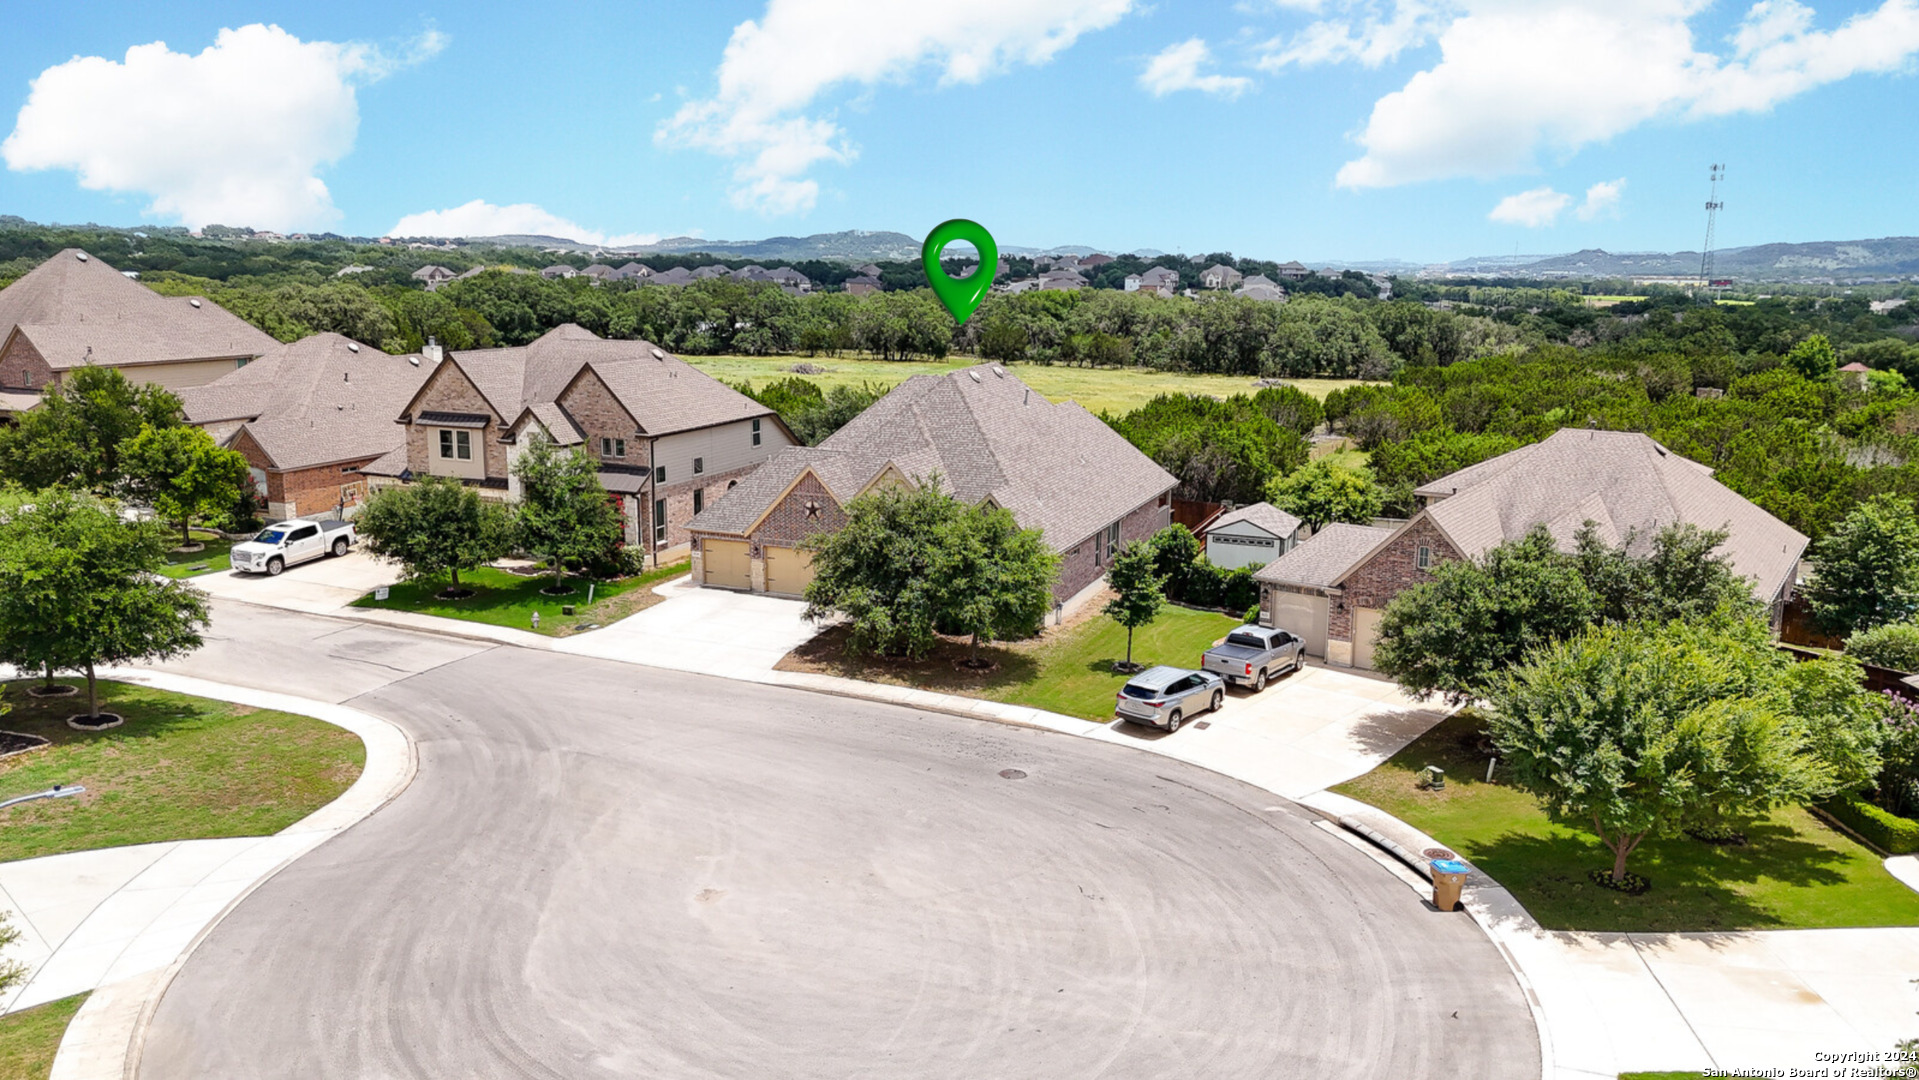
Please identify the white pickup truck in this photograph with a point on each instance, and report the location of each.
(288, 543)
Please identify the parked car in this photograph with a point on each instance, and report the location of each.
(1163, 697)
(289, 543)
(1252, 654)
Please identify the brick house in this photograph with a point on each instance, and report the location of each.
(989, 438)
(73, 310)
(307, 417)
(1627, 485)
(1220, 276)
(668, 437)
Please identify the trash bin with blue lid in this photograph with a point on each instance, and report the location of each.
(1449, 876)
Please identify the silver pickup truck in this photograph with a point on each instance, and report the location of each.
(1252, 654)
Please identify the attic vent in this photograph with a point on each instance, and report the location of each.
(658, 355)
(353, 346)
(414, 360)
(999, 371)
(195, 301)
(81, 255)
(975, 376)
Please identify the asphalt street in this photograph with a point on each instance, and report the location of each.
(611, 871)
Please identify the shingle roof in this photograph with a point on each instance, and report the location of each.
(1056, 467)
(1626, 483)
(76, 309)
(315, 401)
(1323, 558)
(559, 426)
(1265, 515)
(663, 393)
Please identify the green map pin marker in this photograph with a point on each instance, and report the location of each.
(960, 295)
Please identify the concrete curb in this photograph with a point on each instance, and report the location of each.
(104, 1039)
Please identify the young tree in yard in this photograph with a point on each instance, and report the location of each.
(435, 526)
(1175, 550)
(1321, 492)
(74, 437)
(1140, 588)
(882, 569)
(565, 514)
(1455, 634)
(182, 474)
(1635, 731)
(79, 587)
(996, 578)
(1867, 569)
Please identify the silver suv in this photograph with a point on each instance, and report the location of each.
(1163, 697)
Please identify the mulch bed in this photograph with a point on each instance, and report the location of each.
(56, 690)
(83, 722)
(460, 593)
(1723, 837)
(14, 742)
(1632, 884)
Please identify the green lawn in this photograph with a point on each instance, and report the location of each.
(1794, 872)
(180, 768)
(1068, 671)
(214, 558)
(1098, 389)
(506, 599)
(30, 1038)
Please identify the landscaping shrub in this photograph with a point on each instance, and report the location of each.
(1892, 645)
(1883, 828)
(1210, 586)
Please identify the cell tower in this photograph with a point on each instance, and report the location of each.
(1713, 206)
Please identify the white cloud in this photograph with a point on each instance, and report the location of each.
(1602, 198)
(1361, 33)
(776, 67)
(1514, 78)
(482, 218)
(1177, 68)
(1533, 209)
(234, 135)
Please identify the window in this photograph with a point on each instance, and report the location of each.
(659, 474)
(756, 432)
(699, 465)
(659, 521)
(456, 444)
(1112, 538)
(699, 500)
(1425, 557)
(614, 448)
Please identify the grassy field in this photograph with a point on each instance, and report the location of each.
(180, 768)
(1098, 389)
(1068, 670)
(215, 557)
(506, 599)
(30, 1038)
(1793, 873)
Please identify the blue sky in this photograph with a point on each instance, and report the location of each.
(1310, 129)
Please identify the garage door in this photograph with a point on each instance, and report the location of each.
(726, 563)
(1365, 629)
(788, 570)
(1304, 616)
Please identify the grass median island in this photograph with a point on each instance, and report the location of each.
(504, 598)
(180, 768)
(216, 557)
(1793, 873)
(1116, 390)
(1067, 670)
(30, 1038)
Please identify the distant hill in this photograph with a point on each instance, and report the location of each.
(1893, 256)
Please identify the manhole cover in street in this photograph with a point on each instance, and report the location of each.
(1012, 774)
(1438, 853)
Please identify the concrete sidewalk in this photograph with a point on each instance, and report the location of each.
(120, 920)
(1610, 1003)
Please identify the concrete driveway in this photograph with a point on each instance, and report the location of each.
(1306, 731)
(705, 631)
(610, 871)
(318, 587)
